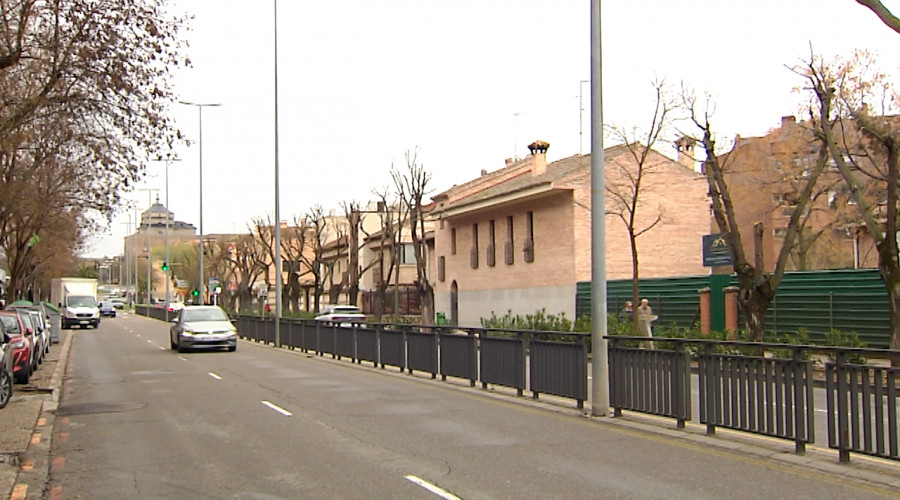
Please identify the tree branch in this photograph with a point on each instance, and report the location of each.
(882, 12)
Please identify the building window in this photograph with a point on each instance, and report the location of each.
(528, 245)
(509, 248)
(473, 254)
(453, 241)
(490, 257)
(441, 268)
(407, 253)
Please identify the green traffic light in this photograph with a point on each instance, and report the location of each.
(195, 292)
(165, 266)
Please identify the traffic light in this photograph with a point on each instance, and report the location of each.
(165, 266)
(195, 292)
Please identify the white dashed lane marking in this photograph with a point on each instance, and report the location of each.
(437, 490)
(278, 409)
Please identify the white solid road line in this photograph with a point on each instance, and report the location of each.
(278, 409)
(213, 375)
(432, 488)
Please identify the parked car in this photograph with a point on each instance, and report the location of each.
(117, 303)
(202, 327)
(107, 309)
(37, 344)
(175, 306)
(345, 315)
(7, 358)
(43, 327)
(22, 346)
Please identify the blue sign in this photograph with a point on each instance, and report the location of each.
(716, 251)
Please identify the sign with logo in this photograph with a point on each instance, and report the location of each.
(716, 251)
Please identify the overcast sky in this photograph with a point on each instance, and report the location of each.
(465, 83)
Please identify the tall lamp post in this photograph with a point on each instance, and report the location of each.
(149, 243)
(168, 280)
(200, 107)
(278, 278)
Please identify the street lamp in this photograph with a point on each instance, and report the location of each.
(149, 243)
(168, 292)
(200, 107)
(278, 278)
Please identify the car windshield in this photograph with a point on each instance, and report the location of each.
(204, 314)
(81, 301)
(10, 324)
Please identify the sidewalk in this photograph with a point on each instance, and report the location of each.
(26, 427)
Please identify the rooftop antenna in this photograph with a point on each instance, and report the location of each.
(581, 113)
(516, 136)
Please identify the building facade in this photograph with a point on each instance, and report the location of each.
(519, 239)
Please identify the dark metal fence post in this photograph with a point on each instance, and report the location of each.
(843, 429)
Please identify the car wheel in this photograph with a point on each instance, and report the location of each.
(23, 378)
(6, 389)
(172, 343)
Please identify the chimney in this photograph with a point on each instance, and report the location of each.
(483, 172)
(685, 147)
(509, 161)
(787, 121)
(539, 157)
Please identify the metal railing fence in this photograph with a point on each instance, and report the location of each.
(747, 387)
(519, 360)
(760, 388)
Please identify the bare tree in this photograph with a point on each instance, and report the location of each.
(293, 243)
(412, 187)
(854, 110)
(248, 262)
(757, 287)
(314, 224)
(628, 174)
(387, 241)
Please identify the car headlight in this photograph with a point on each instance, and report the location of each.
(187, 333)
(18, 344)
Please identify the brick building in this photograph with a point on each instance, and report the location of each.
(519, 239)
(764, 176)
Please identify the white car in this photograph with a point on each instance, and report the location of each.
(175, 306)
(345, 315)
(202, 327)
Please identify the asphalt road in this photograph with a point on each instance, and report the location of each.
(138, 420)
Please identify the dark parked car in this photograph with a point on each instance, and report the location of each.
(202, 327)
(22, 345)
(107, 309)
(7, 358)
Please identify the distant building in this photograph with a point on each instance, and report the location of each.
(152, 230)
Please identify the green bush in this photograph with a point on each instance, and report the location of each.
(838, 338)
(540, 320)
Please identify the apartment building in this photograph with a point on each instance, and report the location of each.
(766, 174)
(519, 238)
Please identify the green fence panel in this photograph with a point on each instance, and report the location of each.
(674, 300)
(853, 300)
